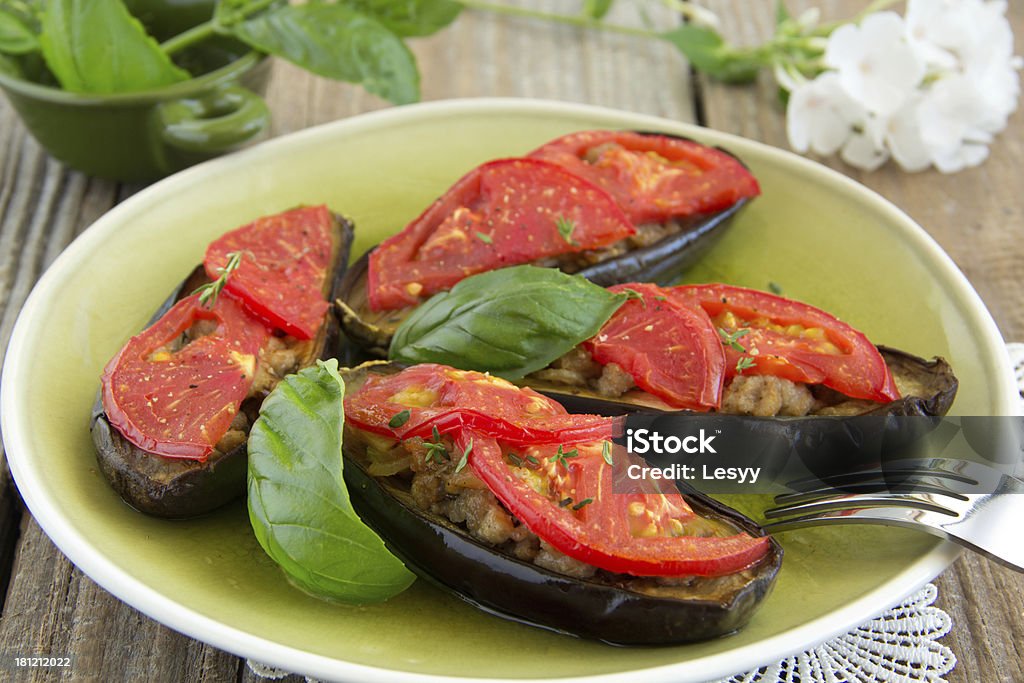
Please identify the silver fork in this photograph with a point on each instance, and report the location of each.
(962, 501)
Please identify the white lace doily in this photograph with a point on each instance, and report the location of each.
(1017, 360)
(899, 645)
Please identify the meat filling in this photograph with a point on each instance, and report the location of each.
(758, 395)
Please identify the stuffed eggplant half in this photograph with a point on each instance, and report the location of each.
(611, 206)
(500, 496)
(176, 402)
(744, 352)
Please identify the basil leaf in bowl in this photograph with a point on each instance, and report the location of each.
(299, 507)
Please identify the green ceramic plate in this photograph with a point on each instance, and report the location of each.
(823, 238)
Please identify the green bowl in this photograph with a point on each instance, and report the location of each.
(149, 134)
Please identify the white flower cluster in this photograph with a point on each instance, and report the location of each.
(933, 87)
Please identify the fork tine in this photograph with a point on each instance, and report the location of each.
(926, 485)
(849, 503)
(846, 478)
(885, 516)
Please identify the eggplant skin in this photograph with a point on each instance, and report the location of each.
(447, 556)
(177, 488)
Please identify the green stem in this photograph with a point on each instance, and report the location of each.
(190, 37)
(202, 31)
(573, 20)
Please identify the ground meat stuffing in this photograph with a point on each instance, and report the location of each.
(760, 395)
(280, 356)
(614, 381)
(765, 396)
(646, 234)
(463, 499)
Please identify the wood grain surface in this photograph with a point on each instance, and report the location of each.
(51, 608)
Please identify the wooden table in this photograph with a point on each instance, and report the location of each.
(53, 609)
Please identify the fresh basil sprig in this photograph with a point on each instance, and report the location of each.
(340, 43)
(509, 322)
(299, 507)
(96, 46)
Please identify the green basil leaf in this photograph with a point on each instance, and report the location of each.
(509, 322)
(708, 52)
(96, 46)
(299, 507)
(409, 18)
(596, 9)
(337, 42)
(16, 38)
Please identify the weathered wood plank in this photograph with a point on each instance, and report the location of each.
(54, 610)
(976, 216)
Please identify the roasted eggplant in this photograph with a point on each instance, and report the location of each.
(615, 608)
(927, 388)
(179, 488)
(658, 252)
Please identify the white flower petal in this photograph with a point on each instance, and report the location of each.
(964, 156)
(876, 65)
(904, 140)
(821, 116)
(862, 152)
(844, 46)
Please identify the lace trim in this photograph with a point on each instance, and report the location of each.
(898, 645)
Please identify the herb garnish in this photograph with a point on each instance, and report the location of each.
(583, 503)
(566, 226)
(465, 457)
(209, 292)
(732, 340)
(399, 419)
(775, 288)
(744, 363)
(561, 456)
(485, 238)
(532, 459)
(514, 459)
(436, 450)
(606, 451)
(633, 294)
(564, 502)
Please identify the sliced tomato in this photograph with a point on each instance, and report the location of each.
(792, 340)
(502, 213)
(569, 503)
(180, 402)
(560, 488)
(654, 177)
(454, 400)
(285, 258)
(671, 351)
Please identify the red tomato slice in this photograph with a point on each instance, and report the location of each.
(654, 177)
(792, 340)
(503, 213)
(179, 403)
(285, 258)
(628, 533)
(454, 400)
(672, 351)
(633, 533)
